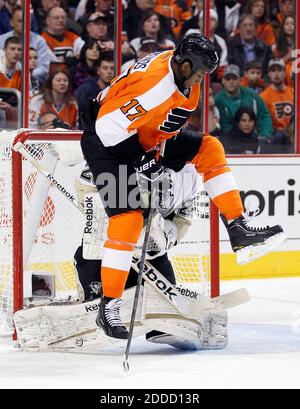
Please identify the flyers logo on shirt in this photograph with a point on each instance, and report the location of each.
(283, 109)
(175, 120)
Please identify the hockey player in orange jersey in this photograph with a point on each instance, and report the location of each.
(142, 107)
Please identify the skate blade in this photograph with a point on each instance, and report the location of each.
(251, 253)
(175, 342)
(106, 341)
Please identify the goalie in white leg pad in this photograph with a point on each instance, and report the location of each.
(73, 328)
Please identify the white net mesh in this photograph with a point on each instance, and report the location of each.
(52, 226)
(6, 276)
(52, 229)
(191, 258)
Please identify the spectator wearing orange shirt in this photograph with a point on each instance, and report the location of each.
(10, 68)
(10, 77)
(279, 99)
(177, 11)
(264, 30)
(62, 42)
(56, 97)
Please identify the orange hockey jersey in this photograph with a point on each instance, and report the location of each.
(70, 45)
(145, 100)
(280, 105)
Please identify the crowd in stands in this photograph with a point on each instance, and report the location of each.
(251, 104)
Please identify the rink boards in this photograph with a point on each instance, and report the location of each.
(271, 183)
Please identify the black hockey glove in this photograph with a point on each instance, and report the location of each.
(150, 173)
(148, 168)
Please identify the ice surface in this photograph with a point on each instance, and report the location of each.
(263, 352)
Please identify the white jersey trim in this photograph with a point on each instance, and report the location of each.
(117, 259)
(221, 184)
(112, 127)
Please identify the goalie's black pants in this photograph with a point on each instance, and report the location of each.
(89, 273)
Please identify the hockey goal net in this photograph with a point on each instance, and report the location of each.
(40, 229)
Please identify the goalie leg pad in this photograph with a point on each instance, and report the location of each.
(209, 333)
(206, 332)
(72, 327)
(96, 224)
(54, 327)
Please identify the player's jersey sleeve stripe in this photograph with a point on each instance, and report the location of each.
(114, 127)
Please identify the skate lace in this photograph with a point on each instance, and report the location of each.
(112, 313)
(250, 215)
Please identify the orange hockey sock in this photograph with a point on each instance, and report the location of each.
(219, 181)
(123, 233)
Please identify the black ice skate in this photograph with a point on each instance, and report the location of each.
(250, 243)
(109, 320)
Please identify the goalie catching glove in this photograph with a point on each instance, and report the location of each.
(163, 237)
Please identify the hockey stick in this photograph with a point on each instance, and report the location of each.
(193, 304)
(19, 147)
(152, 205)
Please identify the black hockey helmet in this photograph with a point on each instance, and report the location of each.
(199, 51)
